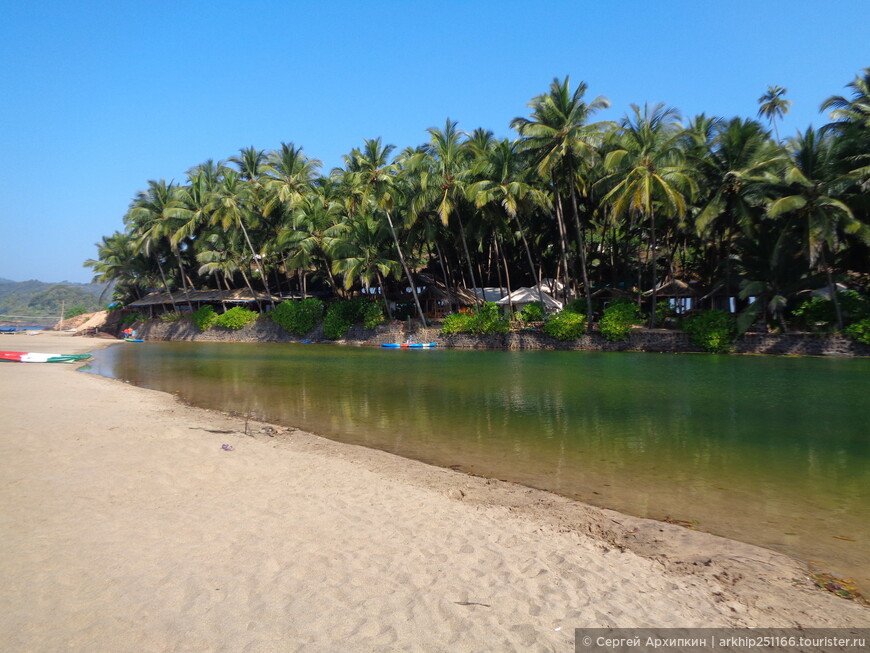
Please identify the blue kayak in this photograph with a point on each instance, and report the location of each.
(409, 345)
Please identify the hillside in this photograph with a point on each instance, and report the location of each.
(38, 299)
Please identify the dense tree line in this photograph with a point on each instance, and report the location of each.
(628, 205)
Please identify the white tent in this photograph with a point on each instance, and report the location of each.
(522, 296)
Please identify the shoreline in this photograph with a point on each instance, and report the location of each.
(306, 533)
(639, 340)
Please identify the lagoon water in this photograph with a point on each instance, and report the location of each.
(768, 450)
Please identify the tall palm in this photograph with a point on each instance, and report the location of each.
(503, 184)
(738, 158)
(810, 194)
(154, 216)
(648, 174)
(119, 262)
(562, 142)
(374, 181)
(443, 172)
(233, 206)
(360, 254)
(288, 176)
(773, 105)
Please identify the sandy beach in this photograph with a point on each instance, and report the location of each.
(129, 526)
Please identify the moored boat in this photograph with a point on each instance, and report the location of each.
(409, 345)
(36, 357)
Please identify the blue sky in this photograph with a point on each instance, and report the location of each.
(96, 98)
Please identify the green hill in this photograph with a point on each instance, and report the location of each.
(38, 302)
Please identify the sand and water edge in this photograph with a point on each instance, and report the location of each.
(131, 527)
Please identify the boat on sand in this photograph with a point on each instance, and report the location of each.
(36, 357)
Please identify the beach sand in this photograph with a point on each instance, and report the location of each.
(127, 527)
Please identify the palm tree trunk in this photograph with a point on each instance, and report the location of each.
(832, 288)
(467, 255)
(256, 262)
(165, 285)
(655, 280)
(407, 271)
(531, 264)
(581, 245)
(384, 293)
(563, 244)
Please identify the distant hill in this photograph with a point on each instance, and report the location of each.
(42, 301)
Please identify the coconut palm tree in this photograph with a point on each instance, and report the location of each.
(649, 175)
(373, 182)
(503, 184)
(773, 105)
(810, 194)
(562, 142)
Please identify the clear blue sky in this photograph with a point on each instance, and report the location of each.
(96, 98)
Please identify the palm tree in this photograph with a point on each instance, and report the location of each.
(738, 158)
(118, 261)
(773, 105)
(233, 205)
(288, 176)
(360, 254)
(810, 194)
(443, 172)
(562, 142)
(373, 181)
(503, 185)
(648, 173)
(155, 215)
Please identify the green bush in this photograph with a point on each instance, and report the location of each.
(372, 314)
(617, 320)
(236, 318)
(819, 315)
(172, 316)
(566, 325)
(298, 317)
(576, 306)
(860, 331)
(712, 331)
(75, 311)
(338, 319)
(456, 323)
(486, 319)
(533, 312)
(132, 318)
(342, 315)
(204, 317)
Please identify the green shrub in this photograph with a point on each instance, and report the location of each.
(617, 320)
(486, 319)
(340, 316)
(172, 316)
(132, 318)
(338, 320)
(819, 315)
(566, 325)
(533, 312)
(298, 317)
(372, 314)
(457, 323)
(860, 331)
(204, 317)
(712, 331)
(75, 311)
(664, 311)
(236, 318)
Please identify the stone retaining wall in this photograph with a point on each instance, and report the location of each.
(652, 340)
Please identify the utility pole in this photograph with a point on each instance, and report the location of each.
(62, 311)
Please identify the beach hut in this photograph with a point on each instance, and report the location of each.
(193, 299)
(678, 293)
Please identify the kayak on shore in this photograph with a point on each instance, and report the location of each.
(35, 357)
(409, 345)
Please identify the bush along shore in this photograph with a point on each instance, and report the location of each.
(360, 322)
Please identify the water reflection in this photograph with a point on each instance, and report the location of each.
(773, 451)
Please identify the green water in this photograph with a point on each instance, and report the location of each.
(772, 451)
